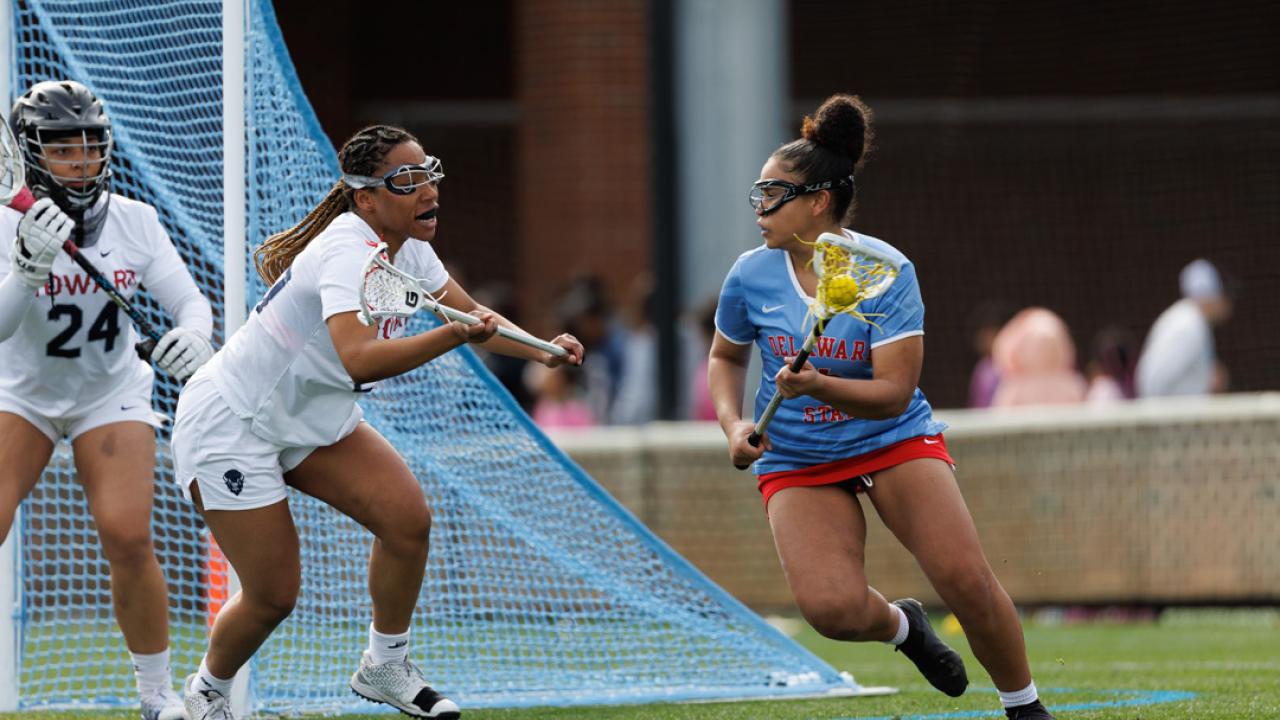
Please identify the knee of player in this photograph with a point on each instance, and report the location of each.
(409, 530)
(967, 584)
(126, 545)
(839, 617)
(276, 599)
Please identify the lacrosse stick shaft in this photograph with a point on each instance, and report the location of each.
(145, 347)
(22, 202)
(767, 416)
(505, 332)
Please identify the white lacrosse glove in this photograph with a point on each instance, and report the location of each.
(41, 233)
(181, 352)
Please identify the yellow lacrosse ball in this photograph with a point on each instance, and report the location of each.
(841, 291)
(951, 625)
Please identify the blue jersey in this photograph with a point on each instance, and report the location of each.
(762, 303)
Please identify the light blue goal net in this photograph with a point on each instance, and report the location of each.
(540, 589)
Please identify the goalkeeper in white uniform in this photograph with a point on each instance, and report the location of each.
(277, 406)
(68, 367)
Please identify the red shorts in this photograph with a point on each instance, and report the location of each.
(856, 467)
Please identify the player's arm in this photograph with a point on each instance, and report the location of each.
(726, 379)
(15, 299)
(453, 295)
(367, 358)
(895, 374)
(188, 344)
(40, 235)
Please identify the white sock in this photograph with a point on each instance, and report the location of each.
(903, 627)
(151, 672)
(206, 681)
(1024, 696)
(385, 648)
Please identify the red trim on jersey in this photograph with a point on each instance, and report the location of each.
(933, 446)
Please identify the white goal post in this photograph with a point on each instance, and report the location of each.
(9, 554)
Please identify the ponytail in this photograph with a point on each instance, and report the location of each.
(362, 154)
(275, 255)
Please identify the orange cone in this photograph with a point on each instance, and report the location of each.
(215, 573)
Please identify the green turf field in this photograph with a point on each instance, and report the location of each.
(1224, 665)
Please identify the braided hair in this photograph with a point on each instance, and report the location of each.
(362, 154)
(834, 144)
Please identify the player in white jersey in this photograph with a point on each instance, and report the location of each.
(277, 406)
(853, 422)
(68, 367)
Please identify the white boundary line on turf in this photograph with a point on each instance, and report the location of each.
(860, 691)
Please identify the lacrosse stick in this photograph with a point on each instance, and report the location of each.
(14, 193)
(387, 291)
(13, 173)
(849, 272)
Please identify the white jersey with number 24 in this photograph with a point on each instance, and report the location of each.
(74, 345)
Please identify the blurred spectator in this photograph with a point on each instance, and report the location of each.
(585, 313)
(987, 319)
(635, 398)
(700, 405)
(499, 297)
(558, 398)
(1036, 360)
(1110, 370)
(1178, 356)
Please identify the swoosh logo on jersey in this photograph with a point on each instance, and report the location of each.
(931, 441)
(127, 407)
(771, 308)
(105, 253)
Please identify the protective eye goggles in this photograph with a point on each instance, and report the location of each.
(767, 196)
(403, 180)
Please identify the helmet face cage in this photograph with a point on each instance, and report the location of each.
(402, 180)
(80, 181)
(53, 120)
(767, 196)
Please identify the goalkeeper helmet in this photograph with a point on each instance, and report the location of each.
(51, 121)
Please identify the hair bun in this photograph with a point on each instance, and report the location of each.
(842, 125)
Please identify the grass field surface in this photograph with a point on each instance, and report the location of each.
(1189, 665)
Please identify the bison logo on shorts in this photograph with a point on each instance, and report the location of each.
(234, 480)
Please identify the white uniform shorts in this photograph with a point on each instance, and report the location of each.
(236, 469)
(129, 402)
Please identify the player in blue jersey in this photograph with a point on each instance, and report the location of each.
(853, 422)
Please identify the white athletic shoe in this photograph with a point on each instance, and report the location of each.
(205, 704)
(400, 685)
(163, 705)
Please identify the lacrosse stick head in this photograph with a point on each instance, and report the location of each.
(849, 272)
(386, 291)
(13, 172)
